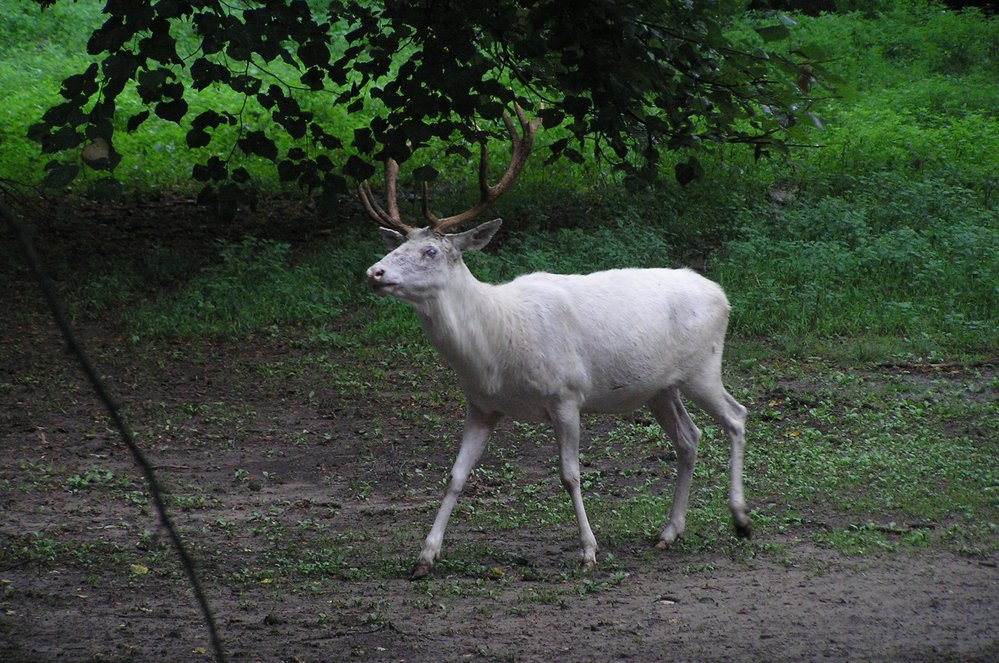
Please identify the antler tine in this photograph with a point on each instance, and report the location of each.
(390, 218)
(520, 150)
(427, 214)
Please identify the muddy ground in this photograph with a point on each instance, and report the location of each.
(269, 460)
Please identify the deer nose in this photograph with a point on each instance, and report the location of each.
(375, 275)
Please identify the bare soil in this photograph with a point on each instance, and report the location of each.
(277, 456)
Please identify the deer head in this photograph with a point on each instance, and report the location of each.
(423, 260)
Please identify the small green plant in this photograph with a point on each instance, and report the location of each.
(93, 476)
(39, 548)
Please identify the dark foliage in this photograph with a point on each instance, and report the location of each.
(626, 82)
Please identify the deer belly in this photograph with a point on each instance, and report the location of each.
(619, 398)
(515, 406)
(524, 393)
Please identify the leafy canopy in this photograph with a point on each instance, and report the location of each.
(625, 81)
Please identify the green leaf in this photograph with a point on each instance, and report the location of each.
(426, 173)
(198, 138)
(257, 142)
(81, 85)
(688, 171)
(58, 175)
(204, 72)
(364, 140)
(812, 52)
(358, 169)
(171, 111)
(137, 119)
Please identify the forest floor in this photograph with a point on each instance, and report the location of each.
(303, 480)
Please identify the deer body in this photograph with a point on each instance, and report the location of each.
(547, 347)
(608, 340)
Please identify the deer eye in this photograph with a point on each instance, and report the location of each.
(430, 252)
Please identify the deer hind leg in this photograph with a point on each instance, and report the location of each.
(676, 423)
(566, 423)
(708, 392)
(478, 425)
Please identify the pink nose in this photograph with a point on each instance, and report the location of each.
(375, 275)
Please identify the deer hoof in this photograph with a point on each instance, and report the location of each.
(421, 570)
(669, 536)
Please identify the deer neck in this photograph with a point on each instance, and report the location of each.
(464, 322)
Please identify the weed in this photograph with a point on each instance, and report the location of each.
(93, 476)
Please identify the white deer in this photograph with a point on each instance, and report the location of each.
(548, 347)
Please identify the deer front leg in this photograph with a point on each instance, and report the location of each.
(478, 425)
(566, 424)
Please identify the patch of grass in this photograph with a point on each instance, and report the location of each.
(115, 284)
(256, 286)
(858, 450)
(913, 260)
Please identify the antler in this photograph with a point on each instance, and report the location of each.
(390, 218)
(520, 150)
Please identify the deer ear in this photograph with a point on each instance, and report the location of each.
(476, 238)
(393, 239)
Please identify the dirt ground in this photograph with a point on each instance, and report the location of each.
(85, 574)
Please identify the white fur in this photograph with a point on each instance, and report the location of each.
(546, 347)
